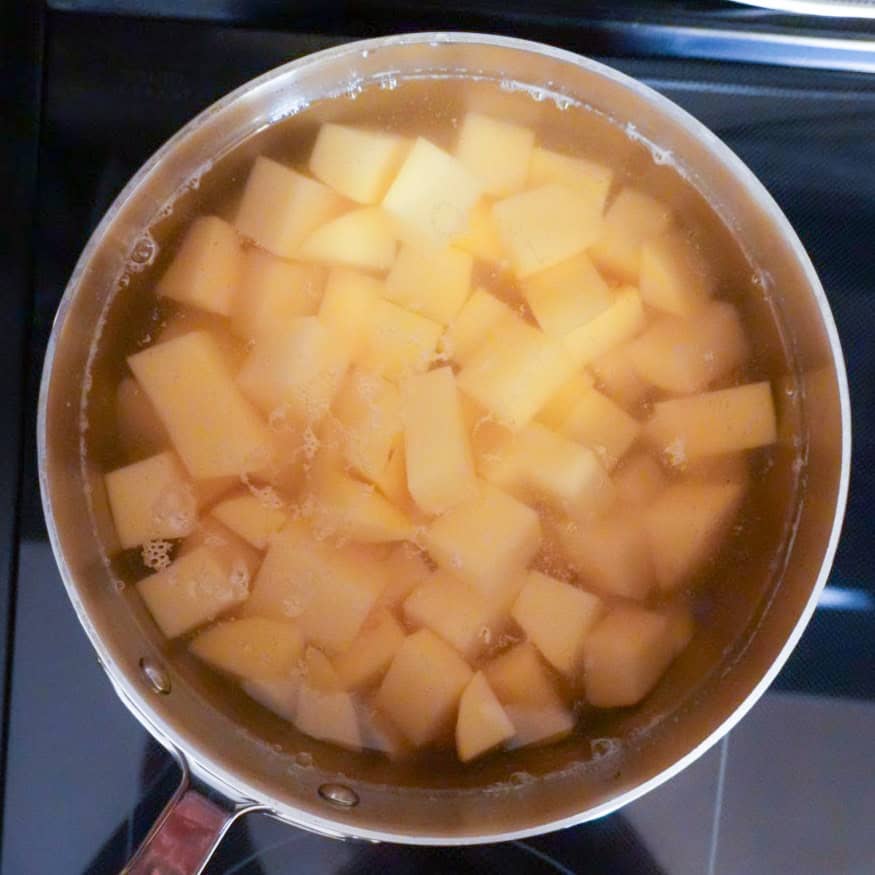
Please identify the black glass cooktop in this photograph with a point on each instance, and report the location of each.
(792, 788)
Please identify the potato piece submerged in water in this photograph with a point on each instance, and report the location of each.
(587, 178)
(252, 518)
(362, 239)
(497, 152)
(482, 724)
(368, 657)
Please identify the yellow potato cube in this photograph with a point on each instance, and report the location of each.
(714, 423)
(213, 427)
(481, 238)
(329, 590)
(433, 282)
(674, 277)
(363, 238)
(557, 617)
(432, 196)
(347, 305)
(604, 427)
(240, 558)
(478, 320)
(250, 648)
(357, 163)
(458, 613)
(519, 677)
(482, 724)
(622, 321)
(369, 656)
(398, 343)
(567, 295)
(612, 555)
(639, 481)
(486, 541)
(539, 725)
(496, 152)
(380, 734)
(253, 518)
(440, 467)
(516, 372)
(151, 500)
(193, 590)
(272, 292)
(625, 656)
(545, 225)
(618, 377)
(140, 431)
(279, 694)
(392, 480)
(557, 410)
(586, 178)
(405, 569)
(421, 691)
(686, 524)
(281, 207)
(687, 355)
(186, 320)
(325, 711)
(205, 272)
(632, 218)
(296, 371)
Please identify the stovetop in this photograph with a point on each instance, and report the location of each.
(791, 788)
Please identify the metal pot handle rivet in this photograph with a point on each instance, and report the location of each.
(339, 795)
(156, 675)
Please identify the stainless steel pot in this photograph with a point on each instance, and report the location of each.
(232, 767)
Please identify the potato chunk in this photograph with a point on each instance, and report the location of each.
(545, 225)
(618, 377)
(422, 688)
(254, 519)
(405, 569)
(639, 481)
(478, 319)
(496, 152)
(241, 558)
(280, 207)
(433, 282)
(482, 724)
(567, 295)
(687, 355)
(251, 648)
(150, 500)
(557, 617)
(369, 656)
(440, 468)
(324, 710)
(587, 178)
(557, 410)
(349, 300)
(625, 655)
(714, 423)
(481, 238)
(279, 694)
(674, 277)
(604, 427)
(363, 238)
(398, 342)
(685, 526)
(357, 163)
(485, 541)
(432, 196)
(205, 272)
(620, 322)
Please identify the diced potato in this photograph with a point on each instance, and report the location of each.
(486, 541)
(205, 272)
(150, 500)
(208, 492)
(405, 569)
(433, 282)
(516, 372)
(685, 526)
(481, 238)
(432, 196)
(482, 724)
(240, 557)
(324, 710)
(674, 277)
(357, 163)
(557, 410)
(567, 295)
(586, 178)
(625, 656)
(281, 207)
(398, 343)
(612, 555)
(632, 218)
(297, 371)
(639, 481)
(440, 468)
(252, 648)
(479, 318)
(213, 427)
(140, 431)
(347, 305)
(329, 590)
(368, 408)
(622, 321)
(537, 725)
(602, 426)
(272, 292)
(496, 152)
(545, 225)
(557, 617)
(380, 734)
(714, 423)
(618, 377)
(458, 613)
(519, 677)
(392, 480)
(279, 694)
(687, 355)
(193, 590)
(369, 656)
(254, 519)
(186, 320)
(421, 691)
(363, 238)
